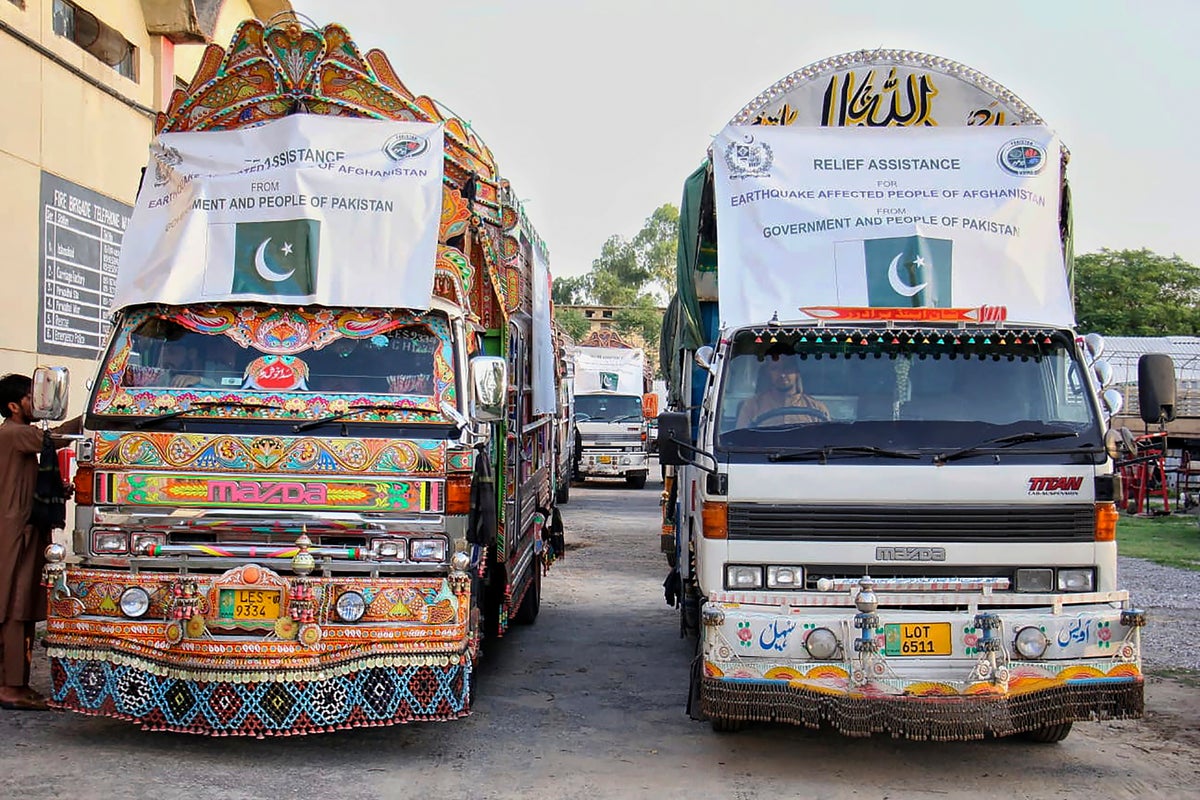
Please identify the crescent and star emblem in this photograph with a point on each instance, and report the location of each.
(898, 285)
(268, 274)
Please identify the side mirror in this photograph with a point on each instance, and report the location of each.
(50, 390)
(489, 387)
(1156, 388)
(1113, 401)
(704, 357)
(1103, 373)
(673, 427)
(1093, 346)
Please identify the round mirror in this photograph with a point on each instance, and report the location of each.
(704, 356)
(1112, 401)
(1103, 372)
(1093, 346)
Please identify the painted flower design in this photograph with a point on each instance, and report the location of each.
(296, 405)
(971, 639)
(1104, 633)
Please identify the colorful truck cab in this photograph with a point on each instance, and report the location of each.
(305, 512)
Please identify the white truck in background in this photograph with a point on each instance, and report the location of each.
(609, 421)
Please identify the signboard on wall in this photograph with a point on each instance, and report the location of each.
(80, 243)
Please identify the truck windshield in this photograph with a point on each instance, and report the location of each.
(267, 363)
(918, 391)
(607, 408)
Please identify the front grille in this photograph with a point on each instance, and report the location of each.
(895, 524)
(613, 440)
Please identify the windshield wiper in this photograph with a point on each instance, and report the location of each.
(357, 409)
(624, 417)
(1003, 441)
(141, 423)
(832, 450)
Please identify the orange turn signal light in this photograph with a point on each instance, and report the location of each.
(458, 494)
(716, 520)
(1106, 522)
(85, 480)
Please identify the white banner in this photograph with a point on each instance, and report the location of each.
(305, 209)
(812, 222)
(545, 401)
(608, 369)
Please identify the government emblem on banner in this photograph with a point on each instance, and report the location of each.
(276, 258)
(908, 272)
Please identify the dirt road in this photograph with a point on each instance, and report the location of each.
(589, 703)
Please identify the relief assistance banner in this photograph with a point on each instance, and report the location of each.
(608, 369)
(307, 209)
(815, 223)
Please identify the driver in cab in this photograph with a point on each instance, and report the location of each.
(781, 399)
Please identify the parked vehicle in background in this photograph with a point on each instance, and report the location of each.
(318, 455)
(609, 418)
(892, 502)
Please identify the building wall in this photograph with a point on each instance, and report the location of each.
(73, 141)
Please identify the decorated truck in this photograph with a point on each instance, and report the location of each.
(610, 422)
(317, 454)
(890, 508)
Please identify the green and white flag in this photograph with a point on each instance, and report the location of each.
(307, 209)
(277, 258)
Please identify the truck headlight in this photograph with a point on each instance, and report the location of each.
(821, 644)
(350, 606)
(110, 542)
(143, 543)
(743, 576)
(135, 602)
(1076, 580)
(782, 576)
(1031, 643)
(427, 550)
(1035, 580)
(392, 549)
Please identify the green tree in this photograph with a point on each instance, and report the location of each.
(572, 321)
(656, 244)
(570, 291)
(1136, 293)
(616, 277)
(643, 318)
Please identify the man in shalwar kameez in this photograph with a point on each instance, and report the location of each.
(22, 597)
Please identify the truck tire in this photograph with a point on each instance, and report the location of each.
(1049, 734)
(635, 481)
(562, 495)
(531, 604)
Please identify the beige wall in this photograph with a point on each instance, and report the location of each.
(55, 122)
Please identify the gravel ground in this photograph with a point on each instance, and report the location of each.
(1171, 596)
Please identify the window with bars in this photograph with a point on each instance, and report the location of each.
(103, 41)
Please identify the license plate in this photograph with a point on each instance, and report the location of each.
(917, 639)
(249, 605)
(605, 459)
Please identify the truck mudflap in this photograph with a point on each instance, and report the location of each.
(192, 664)
(961, 677)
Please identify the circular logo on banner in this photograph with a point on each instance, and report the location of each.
(1022, 157)
(405, 145)
(748, 158)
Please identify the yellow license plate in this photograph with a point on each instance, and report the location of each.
(605, 459)
(249, 605)
(917, 639)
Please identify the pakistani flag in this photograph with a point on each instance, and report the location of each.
(276, 258)
(609, 381)
(908, 272)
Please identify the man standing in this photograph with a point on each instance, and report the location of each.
(22, 598)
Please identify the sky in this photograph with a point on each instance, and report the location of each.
(597, 110)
